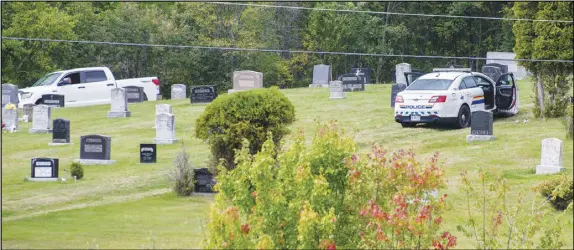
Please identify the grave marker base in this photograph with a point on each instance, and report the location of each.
(337, 97)
(548, 169)
(41, 179)
(119, 114)
(471, 138)
(95, 162)
(39, 131)
(60, 144)
(318, 85)
(231, 91)
(165, 141)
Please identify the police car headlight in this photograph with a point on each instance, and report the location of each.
(26, 95)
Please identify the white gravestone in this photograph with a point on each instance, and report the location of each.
(10, 119)
(400, 70)
(178, 91)
(27, 112)
(41, 119)
(336, 90)
(550, 157)
(246, 80)
(165, 129)
(119, 106)
(321, 76)
(162, 108)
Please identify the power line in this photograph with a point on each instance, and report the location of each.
(278, 50)
(391, 13)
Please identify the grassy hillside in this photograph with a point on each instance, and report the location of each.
(129, 205)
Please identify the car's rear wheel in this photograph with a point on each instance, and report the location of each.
(463, 119)
(408, 124)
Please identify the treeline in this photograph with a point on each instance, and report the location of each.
(223, 25)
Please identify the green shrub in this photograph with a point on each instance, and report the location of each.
(181, 174)
(558, 190)
(244, 115)
(77, 170)
(328, 196)
(569, 122)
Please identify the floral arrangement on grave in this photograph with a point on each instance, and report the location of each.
(10, 106)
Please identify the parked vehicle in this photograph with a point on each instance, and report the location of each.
(84, 87)
(451, 95)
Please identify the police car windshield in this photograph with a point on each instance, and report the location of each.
(430, 84)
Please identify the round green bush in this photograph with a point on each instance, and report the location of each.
(250, 115)
(77, 170)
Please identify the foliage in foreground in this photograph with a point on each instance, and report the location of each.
(244, 115)
(558, 190)
(328, 196)
(498, 223)
(181, 174)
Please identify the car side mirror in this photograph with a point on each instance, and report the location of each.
(64, 81)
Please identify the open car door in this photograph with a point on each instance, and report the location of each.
(412, 76)
(506, 92)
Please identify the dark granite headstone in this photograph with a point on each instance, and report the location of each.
(148, 153)
(53, 100)
(395, 89)
(9, 94)
(503, 68)
(352, 82)
(204, 93)
(134, 94)
(61, 131)
(204, 181)
(481, 123)
(44, 168)
(365, 73)
(95, 147)
(492, 72)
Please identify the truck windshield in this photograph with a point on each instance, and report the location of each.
(430, 84)
(47, 79)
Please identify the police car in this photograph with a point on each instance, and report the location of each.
(450, 95)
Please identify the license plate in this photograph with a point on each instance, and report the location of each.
(415, 118)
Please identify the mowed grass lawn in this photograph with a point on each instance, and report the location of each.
(129, 205)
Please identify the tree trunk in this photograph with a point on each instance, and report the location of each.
(540, 93)
(380, 63)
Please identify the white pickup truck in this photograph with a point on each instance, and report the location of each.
(84, 87)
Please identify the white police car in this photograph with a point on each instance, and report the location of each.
(450, 95)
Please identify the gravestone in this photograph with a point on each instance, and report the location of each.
(400, 70)
(165, 129)
(364, 73)
(492, 72)
(550, 157)
(10, 119)
(53, 100)
(27, 112)
(503, 68)
(395, 89)
(178, 91)
(60, 132)
(481, 128)
(204, 181)
(119, 105)
(162, 108)
(321, 76)
(95, 150)
(336, 90)
(202, 94)
(44, 169)
(246, 80)
(351, 82)
(41, 119)
(148, 153)
(9, 94)
(135, 94)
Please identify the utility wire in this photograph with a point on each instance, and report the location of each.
(390, 13)
(278, 50)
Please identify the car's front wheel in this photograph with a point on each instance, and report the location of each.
(463, 119)
(408, 124)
